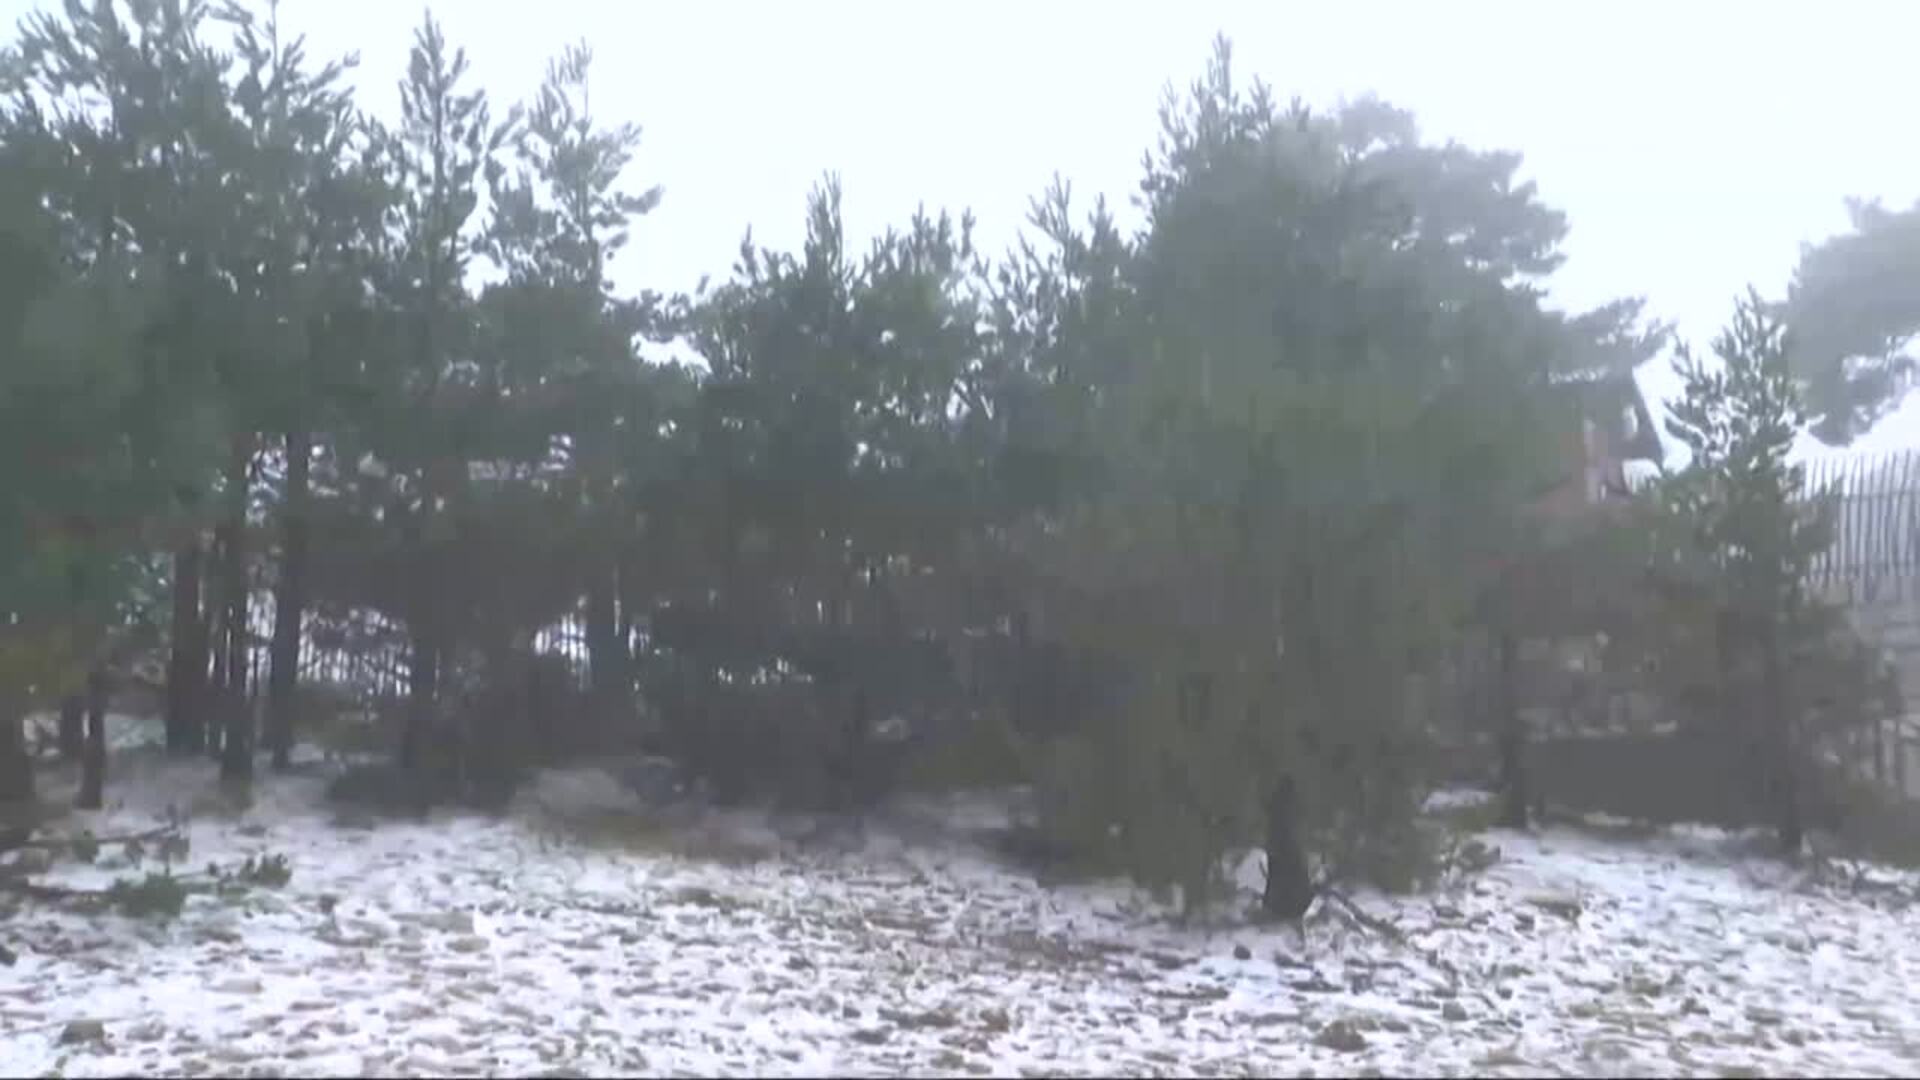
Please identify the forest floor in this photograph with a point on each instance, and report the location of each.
(565, 939)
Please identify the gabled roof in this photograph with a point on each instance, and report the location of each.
(1613, 399)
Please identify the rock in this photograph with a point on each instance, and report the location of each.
(1605, 1050)
(1340, 1035)
(384, 789)
(31, 861)
(996, 1020)
(8, 957)
(452, 922)
(1506, 1057)
(1453, 1011)
(238, 984)
(1567, 907)
(151, 1031)
(446, 1044)
(1475, 856)
(84, 1033)
(874, 1036)
(1241, 952)
(916, 1021)
(468, 944)
(656, 781)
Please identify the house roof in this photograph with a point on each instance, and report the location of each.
(1614, 400)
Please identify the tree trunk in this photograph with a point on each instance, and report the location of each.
(1726, 645)
(289, 602)
(72, 709)
(236, 758)
(1513, 734)
(187, 662)
(219, 635)
(1789, 814)
(1289, 890)
(93, 766)
(423, 677)
(16, 769)
(606, 667)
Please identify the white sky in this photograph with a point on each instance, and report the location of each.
(1695, 145)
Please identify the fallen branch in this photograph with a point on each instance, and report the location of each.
(62, 1024)
(21, 840)
(1377, 925)
(85, 898)
(1399, 937)
(36, 891)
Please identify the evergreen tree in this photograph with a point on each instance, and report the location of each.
(445, 145)
(1854, 309)
(1752, 540)
(557, 222)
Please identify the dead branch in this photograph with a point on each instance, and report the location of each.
(22, 840)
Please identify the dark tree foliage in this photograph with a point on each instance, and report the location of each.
(1170, 523)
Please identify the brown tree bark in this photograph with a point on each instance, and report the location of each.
(187, 661)
(93, 764)
(236, 757)
(72, 710)
(423, 678)
(16, 769)
(606, 664)
(1789, 815)
(1289, 888)
(290, 601)
(1516, 797)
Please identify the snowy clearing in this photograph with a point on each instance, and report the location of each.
(468, 946)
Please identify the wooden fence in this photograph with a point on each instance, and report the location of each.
(1872, 569)
(1875, 554)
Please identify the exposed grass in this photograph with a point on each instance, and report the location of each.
(1881, 830)
(988, 757)
(341, 732)
(629, 833)
(222, 801)
(1467, 818)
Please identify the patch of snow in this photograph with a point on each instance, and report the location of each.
(1457, 799)
(468, 944)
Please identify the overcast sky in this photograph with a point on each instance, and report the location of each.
(1695, 145)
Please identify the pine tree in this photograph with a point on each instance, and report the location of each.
(1752, 540)
(445, 145)
(558, 221)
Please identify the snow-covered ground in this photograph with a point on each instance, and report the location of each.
(467, 946)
